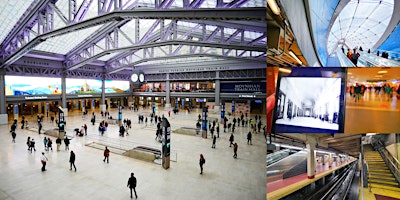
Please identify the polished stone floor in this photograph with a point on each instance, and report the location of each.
(224, 177)
(373, 113)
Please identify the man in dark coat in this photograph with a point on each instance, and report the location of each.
(132, 184)
(72, 160)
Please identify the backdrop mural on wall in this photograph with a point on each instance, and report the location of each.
(22, 85)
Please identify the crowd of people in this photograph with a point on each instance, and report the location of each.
(213, 127)
(387, 90)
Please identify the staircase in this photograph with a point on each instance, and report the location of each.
(379, 175)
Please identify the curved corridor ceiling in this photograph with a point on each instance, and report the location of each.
(360, 23)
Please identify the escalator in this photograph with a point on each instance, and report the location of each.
(287, 167)
(279, 155)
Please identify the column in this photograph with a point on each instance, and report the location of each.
(3, 110)
(217, 91)
(330, 160)
(103, 94)
(310, 160)
(63, 94)
(167, 94)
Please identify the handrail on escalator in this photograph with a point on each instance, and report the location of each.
(344, 61)
(374, 60)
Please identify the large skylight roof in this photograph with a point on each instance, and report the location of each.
(9, 15)
(360, 23)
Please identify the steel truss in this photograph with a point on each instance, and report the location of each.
(37, 25)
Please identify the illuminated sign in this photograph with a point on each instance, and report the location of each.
(35, 97)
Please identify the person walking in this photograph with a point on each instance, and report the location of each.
(106, 155)
(249, 138)
(235, 148)
(217, 131)
(214, 140)
(49, 144)
(43, 159)
(202, 161)
(40, 127)
(45, 143)
(32, 145)
(231, 139)
(13, 134)
(72, 160)
(28, 143)
(66, 141)
(85, 127)
(58, 142)
(132, 184)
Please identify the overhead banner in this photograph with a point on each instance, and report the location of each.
(87, 86)
(244, 87)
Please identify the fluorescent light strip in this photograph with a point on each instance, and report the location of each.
(274, 7)
(295, 57)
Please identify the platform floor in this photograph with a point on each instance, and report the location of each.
(224, 177)
(286, 186)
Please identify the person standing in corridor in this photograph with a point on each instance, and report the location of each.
(72, 160)
(235, 148)
(43, 159)
(106, 155)
(202, 161)
(132, 184)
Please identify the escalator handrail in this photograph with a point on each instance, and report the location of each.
(392, 162)
(375, 60)
(344, 61)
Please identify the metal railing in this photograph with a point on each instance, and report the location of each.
(276, 156)
(374, 60)
(390, 161)
(125, 145)
(344, 61)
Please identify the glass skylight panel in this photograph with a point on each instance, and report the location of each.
(64, 43)
(361, 23)
(108, 56)
(10, 12)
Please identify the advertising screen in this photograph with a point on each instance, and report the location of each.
(310, 102)
(87, 86)
(23, 85)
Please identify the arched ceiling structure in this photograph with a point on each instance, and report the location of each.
(117, 35)
(360, 23)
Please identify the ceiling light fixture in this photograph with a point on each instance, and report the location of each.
(274, 6)
(382, 72)
(295, 57)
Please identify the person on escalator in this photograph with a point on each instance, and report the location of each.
(354, 57)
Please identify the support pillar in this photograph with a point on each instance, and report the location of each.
(167, 94)
(330, 160)
(63, 95)
(323, 159)
(310, 160)
(3, 110)
(103, 95)
(217, 92)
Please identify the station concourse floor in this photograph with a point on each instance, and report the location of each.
(223, 178)
(374, 113)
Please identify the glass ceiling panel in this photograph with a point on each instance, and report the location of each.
(361, 23)
(10, 12)
(63, 44)
(108, 56)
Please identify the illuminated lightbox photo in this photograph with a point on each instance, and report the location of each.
(309, 102)
(87, 86)
(23, 85)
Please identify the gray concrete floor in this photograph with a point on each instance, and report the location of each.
(224, 177)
